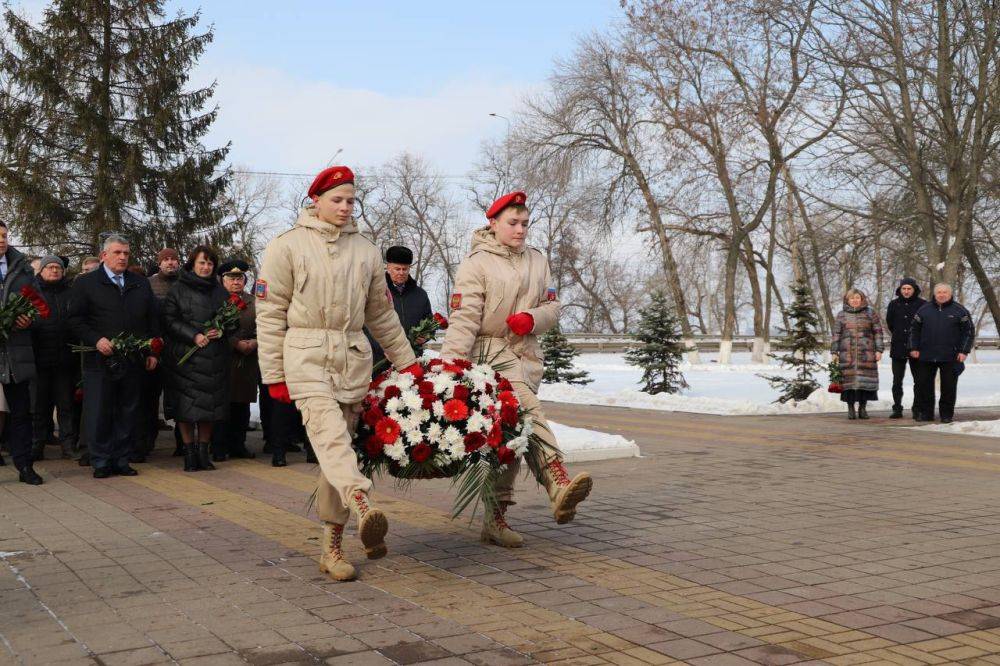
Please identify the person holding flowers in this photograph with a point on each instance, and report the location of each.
(197, 316)
(20, 301)
(321, 282)
(107, 305)
(503, 300)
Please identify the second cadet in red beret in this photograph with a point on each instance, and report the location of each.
(329, 178)
(507, 200)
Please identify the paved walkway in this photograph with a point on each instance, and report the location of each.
(734, 540)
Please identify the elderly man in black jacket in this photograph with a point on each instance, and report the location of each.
(108, 302)
(17, 362)
(56, 363)
(408, 298)
(898, 318)
(941, 336)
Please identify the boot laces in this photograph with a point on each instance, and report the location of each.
(336, 538)
(361, 502)
(559, 473)
(500, 519)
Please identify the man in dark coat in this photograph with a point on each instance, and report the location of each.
(17, 361)
(898, 317)
(408, 298)
(941, 337)
(108, 302)
(56, 364)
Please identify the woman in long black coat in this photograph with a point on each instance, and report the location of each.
(198, 390)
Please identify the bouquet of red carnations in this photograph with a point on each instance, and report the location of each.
(127, 348)
(226, 318)
(28, 303)
(444, 419)
(836, 378)
(420, 335)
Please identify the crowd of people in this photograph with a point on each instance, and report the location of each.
(932, 339)
(107, 410)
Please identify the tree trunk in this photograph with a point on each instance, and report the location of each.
(729, 298)
(985, 284)
(757, 351)
(813, 250)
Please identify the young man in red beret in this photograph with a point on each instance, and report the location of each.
(320, 283)
(503, 300)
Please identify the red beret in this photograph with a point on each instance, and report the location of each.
(512, 199)
(329, 178)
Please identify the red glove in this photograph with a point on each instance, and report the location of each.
(279, 392)
(521, 323)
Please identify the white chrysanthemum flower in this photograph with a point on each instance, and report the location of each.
(433, 430)
(438, 409)
(414, 436)
(518, 445)
(478, 422)
(526, 428)
(412, 400)
(443, 383)
(397, 452)
(393, 405)
(423, 415)
(452, 435)
(456, 451)
(404, 381)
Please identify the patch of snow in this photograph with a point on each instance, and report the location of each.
(978, 428)
(580, 444)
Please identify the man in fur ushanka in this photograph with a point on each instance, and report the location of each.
(503, 300)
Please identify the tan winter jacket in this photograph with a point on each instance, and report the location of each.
(319, 284)
(494, 282)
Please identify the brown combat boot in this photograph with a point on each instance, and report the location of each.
(496, 530)
(564, 493)
(372, 526)
(332, 560)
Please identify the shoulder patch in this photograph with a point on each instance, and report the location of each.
(550, 294)
(260, 289)
(456, 301)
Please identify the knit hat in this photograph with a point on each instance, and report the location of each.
(51, 259)
(397, 254)
(167, 253)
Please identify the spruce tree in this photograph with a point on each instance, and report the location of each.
(660, 352)
(100, 133)
(559, 355)
(802, 348)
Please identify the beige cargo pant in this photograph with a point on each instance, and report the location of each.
(505, 484)
(330, 426)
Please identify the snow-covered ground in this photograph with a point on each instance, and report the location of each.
(736, 389)
(978, 428)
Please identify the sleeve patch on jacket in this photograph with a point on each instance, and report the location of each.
(550, 294)
(456, 301)
(260, 289)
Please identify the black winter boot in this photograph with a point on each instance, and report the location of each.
(862, 410)
(897, 412)
(204, 457)
(37, 452)
(190, 452)
(851, 414)
(278, 456)
(30, 476)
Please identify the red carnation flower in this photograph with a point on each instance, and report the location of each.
(456, 410)
(425, 386)
(506, 456)
(375, 383)
(465, 364)
(504, 384)
(507, 399)
(156, 346)
(496, 435)
(455, 369)
(421, 452)
(427, 400)
(441, 320)
(372, 416)
(392, 392)
(32, 295)
(474, 441)
(488, 389)
(43, 310)
(415, 370)
(435, 363)
(462, 393)
(387, 430)
(508, 415)
(373, 446)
